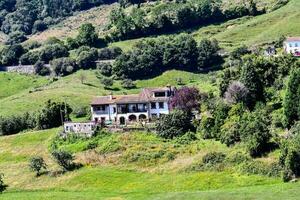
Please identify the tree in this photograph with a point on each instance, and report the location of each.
(50, 52)
(177, 123)
(86, 60)
(64, 159)
(41, 69)
(16, 38)
(37, 164)
(255, 132)
(107, 82)
(63, 66)
(10, 55)
(291, 102)
(53, 114)
(236, 93)
(128, 84)
(87, 35)
(250, 79)
(208, 53)
(186, 99)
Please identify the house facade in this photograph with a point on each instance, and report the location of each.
(292, 45)
(148, 105)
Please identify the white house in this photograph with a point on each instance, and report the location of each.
(87, 128)
(292, 45)
(150, 104)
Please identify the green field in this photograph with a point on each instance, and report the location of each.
(26, 93)
(110, 180)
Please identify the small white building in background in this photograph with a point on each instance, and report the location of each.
(149, 105)
(292, 45)
(87, 128)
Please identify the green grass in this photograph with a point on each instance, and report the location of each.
(12, 83)
(108, 179)
(24, 95)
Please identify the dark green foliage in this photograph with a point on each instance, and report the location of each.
(16, 38)
(64, 159)
(257, 167)
(10, 54)
(63, 66)
(239, 52)
(81, 112)
(187, 138)
(290, 157)
(31, 16)
(109, 53)
(208, 54)
(177, 123)
(292, 99)
(128, 84)
(206, 127)
(213, 158)
(86, 59)
(53, 114)
(50, 52)
(105, 69)
(255, 132)
(87, 36)
(107, 82)
(41, 69)
(2, 185)
(250, 78)
(151, 57)
(171, 16)
(15, 124)
(36, 164)
(30, 58)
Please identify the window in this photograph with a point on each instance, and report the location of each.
(159, 94)
(153, 105)
(115, 110)
(161, 105)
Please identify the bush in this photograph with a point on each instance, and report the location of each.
(206, 127)
(255, 132)
(36, 164)
(105, 69)
(128, 84)
(41, 69)
(50, 52)
(107, 82)
(187, 138)
(63, 66)
(2, 185)
(177, 123)
(64, 159)
(260, 168)
(213, 158)
(109, 53)
(15, 124)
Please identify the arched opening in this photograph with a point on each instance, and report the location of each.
(132, 118)
(122, 120)
(142, 117)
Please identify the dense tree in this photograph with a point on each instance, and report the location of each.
(186, 99)
(177, 123)
(236, 93)
(50, 52)
(53, 114)
(292, 98)
(10, 54)
(208, 53)
(41, 69)
(87, 36)
(250, 79)
(63, 66)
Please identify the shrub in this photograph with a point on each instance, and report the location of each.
(128, 84)
(50, 52)
(36, 164)
(107, 82)
(2, 185)
(177, 123)
(206, 127)
(187, 138)
(105, 69)
(63, 66)
(109, 53)
(255, 132)
(236, 93)
(15, 124)
(41, 69)
(213, 158)
(260, 168)
(64, 159)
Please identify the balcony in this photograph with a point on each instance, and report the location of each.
(101, 112)
(125, 111)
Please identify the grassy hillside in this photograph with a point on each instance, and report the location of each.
(68, 28)
(22, 94)
(251, 31)
(110, 180)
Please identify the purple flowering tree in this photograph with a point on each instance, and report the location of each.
(186, 99)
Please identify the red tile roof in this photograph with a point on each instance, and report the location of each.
(146, 95)
(293, 39)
